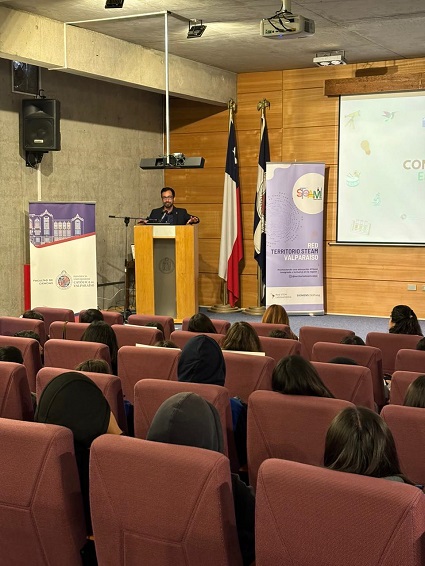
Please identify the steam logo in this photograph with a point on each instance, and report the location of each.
(63, 280)
(307, 193)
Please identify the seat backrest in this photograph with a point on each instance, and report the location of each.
(410, 360)
(149, 394)
(9, 325)
(352, 383)
(142, 319)
(366, 356)
(110, 317)
(181, 337)
(278, 348)
(245, 374)
(292, 427)
(110, 385)
(68, 354)
(50, 314)
(40, 495)
(390, 344)
(408, 427)
(30, 350)
(15, 396)
(309, 335)
(369, 521)
(68, 330)
(136, 363)
(221, 325)
(129, 335)
(264, 328)
(174, 507)
(400, 384)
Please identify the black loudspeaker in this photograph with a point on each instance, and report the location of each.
(41, 125)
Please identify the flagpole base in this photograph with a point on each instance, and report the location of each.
(255, 311)
(224, 309)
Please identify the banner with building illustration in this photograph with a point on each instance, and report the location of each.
(63, 255)
(294, 236)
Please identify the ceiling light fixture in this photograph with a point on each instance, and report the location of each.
(114, 3)
(196, 29)
(328, 58)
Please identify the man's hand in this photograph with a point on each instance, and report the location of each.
(193, 220)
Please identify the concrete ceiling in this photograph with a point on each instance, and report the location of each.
(367, 30)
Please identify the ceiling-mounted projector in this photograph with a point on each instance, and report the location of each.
(287, 27)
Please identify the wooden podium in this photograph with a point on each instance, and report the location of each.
(166, 265)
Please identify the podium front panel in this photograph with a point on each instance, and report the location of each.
(164, 267)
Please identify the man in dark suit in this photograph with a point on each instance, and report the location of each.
(168, 213)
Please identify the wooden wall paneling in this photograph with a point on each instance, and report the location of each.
(249, 146)
(409, 65)
(248, 179)
(189, 116)
(196, 185)
(248, 117)
(211, 145)
(314, 77)
(308, 107)
(372, 84)
(330, 222)
(249, 288)
(331, 177)
(310, 144)
(259, 82)
(209, 252)
(209, 289)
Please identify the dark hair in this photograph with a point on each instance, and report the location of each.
(242, 336)
(96, 365)
(156, 325)
(343, 360)
(33, 314)
(90, 315)
(404, 321)
(276, 333)
(165, 189)
(359, 441)
(354, 340)
(275, 314)
(294, 375)
(165, 344)
(421, 344)
(100, 331)
(11, 354)
(27, 334)
(415, 394)
(200, 322)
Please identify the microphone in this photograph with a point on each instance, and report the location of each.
(163, 216)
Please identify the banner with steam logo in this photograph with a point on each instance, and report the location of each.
(63, 255)
(294, 236)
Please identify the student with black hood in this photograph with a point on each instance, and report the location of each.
(188, 419)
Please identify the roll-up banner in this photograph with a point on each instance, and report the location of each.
(294, 236)
(63, 255)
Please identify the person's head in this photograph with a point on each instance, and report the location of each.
(202, 361)
(100, 331)
(200, 322)
(294, 375)
(167, 195)
(11, 354)
(421, 344)
(415, 394)
(275, 314)
(343, 360)
(359, 441)
(27, 334)
(165, 344)
(156, 325)
(33, 314)
(189, 420)
(276, 333)
(404, 321)
(242, 336)
(354, 340)
(95, 365)
(90, 315)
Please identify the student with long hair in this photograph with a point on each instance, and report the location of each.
(404, 321)
(100, 331)
(241, 336)
(415, 394)
(294, 375)
(276, 314)
(200, 322)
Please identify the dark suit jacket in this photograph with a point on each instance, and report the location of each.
(180, 215)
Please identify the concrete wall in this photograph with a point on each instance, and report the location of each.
(106, 129)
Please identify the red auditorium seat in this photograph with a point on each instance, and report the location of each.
(15, 396)
(309, 335)
(143, 319)
(9, 325)
(221, 325)
(30, 350)
(245, 374)
(390, 344)
(181, 337)
(68, 354)
(399, 385)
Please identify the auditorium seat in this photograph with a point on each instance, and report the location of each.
(136, 363)
(143, 319)
(366, 356)
(181, 337)
(15, 396)
(390, 344)
(410, 360)
(407, 425)
(9, 325)
(310, 516)
(110, 385)
(110, 317)
(264, 328)
(278, 348)
(245, 374)
(68, 354)
(292, 427)
(221, 325)
(41, 511)
(399, 385)
(30, 350)
(174, 507)
(351, 383)
(50, 314)
(130, 335)
(68, 330)
(309, 335)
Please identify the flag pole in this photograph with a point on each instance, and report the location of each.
(259, 309)
(225, 307)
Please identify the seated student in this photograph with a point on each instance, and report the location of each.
(241, 336)
(279, 334)
(11, 354)
(90, 315)
(359, 441)
(415, 394)
(100, 331)
(343, 360)
(404, 321)
(354, 340)
(32, 314)
(421, 344)
(156, 325)
(276, 314)
(190, 420)
(294, 375)
(200, 322)
(94, 365)
(34, 336)
(165, 344)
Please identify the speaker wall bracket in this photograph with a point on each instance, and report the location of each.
(33, 158)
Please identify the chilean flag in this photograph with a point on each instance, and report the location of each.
(231, 248)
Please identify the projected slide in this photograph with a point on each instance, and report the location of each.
(381, 173)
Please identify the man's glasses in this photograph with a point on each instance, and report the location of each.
(167, 198)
